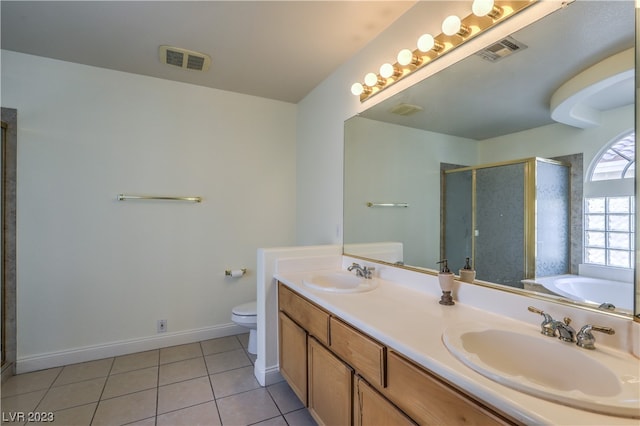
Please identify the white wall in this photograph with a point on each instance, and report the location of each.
(93, 271)
(396, 164)
(543, 141)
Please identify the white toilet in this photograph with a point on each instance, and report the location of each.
(245, 315)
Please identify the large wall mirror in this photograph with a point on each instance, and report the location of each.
(520, 157)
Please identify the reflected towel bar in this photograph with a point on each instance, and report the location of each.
(387, 204)
(123, 197)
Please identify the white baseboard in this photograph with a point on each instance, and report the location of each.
(124, 347)
(267, 376)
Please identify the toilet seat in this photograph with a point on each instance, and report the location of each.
(245, 310)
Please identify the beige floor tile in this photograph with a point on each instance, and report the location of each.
(233, 382)
(225, 361)
(130, 382)
(136, 361)
(23, 403)
(126, 409)
(151, 421)
(180, 353)
(200, 415)
(222, 344)
(72, 395)
(84, 371)
(244, 340)
(276, 421)
(184, 394)
(29, 382)
(284, 397)
(76, 416)
(300, 418)
(182, 370)
(247, 408)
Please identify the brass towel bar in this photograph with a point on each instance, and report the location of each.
(370, 204)
(123, 197)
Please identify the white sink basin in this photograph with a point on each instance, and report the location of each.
(548, 368)
(340, 282)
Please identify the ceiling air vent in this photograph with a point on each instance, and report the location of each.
(405, 109)
(183, 58)
(501, 49)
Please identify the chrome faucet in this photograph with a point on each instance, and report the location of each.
(364, 272)
(548, 326)
(586, 340)
(566, 333)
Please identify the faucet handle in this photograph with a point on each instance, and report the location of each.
(547, 327)
(368, 270)
(535, 310)
(586, 340)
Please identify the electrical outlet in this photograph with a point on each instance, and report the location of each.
(162, 326)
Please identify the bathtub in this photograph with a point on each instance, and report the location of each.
(589, 290)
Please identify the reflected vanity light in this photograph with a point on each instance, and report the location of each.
(407, 57)
(427, 42)
(486, 8)
(388, 71)
(452, 25)
(455, 31)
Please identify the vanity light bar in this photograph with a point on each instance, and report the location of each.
(455, 32)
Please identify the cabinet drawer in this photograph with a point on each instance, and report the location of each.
(365, 355)
(303, 312)
(428, 400)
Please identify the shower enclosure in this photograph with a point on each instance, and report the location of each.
(512, 219)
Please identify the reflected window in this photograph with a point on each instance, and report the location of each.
(609, 219)
(617, 162)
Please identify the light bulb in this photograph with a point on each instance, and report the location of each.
(482, 7)
(426, 42)
(357, 89)
(387, 70)
(405, 57)
(451, 25)
(371, 79)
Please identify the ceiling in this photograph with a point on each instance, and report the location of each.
(478, 99)
(273, 49)
(282, 50)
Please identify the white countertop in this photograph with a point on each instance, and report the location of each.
(411, 322)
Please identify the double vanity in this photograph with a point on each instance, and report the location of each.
(383, 350)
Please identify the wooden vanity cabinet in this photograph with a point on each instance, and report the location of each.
(345, 377)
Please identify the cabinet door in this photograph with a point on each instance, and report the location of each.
(330, 387)
(371, 408)
(293, 356)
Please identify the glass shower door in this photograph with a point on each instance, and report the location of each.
(500, 224)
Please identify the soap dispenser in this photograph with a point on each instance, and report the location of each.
(445, 277)
(467, 274)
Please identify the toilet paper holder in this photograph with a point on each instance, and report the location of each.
(235, 272)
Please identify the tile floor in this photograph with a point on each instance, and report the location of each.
(204, 383)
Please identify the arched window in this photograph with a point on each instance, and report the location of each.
(618, 161)
(610, 206)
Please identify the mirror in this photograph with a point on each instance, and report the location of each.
(479, 113)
